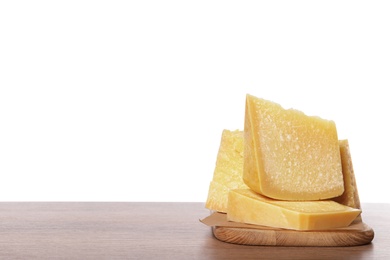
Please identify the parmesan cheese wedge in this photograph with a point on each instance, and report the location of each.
(289, 155)
(350, 197)
(246, 206)
(228, 170)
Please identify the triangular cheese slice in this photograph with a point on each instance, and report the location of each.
(289, 155)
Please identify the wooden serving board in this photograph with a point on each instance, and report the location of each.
(358, 233)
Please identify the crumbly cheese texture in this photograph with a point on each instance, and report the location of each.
(246, 206)
(228, 170)
(289, 155)
(217, 197)
(350, 197)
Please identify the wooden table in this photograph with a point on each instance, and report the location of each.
(135, 230)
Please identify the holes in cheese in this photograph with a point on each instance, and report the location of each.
(246, 206)
(289, 155)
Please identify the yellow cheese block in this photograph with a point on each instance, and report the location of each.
(230, 158)
(228, 170)
(246, 206)
(217, 197)
(289, 155)
(350, 197)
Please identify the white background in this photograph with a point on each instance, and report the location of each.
(126, 100)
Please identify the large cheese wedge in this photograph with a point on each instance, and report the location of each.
(246, 206)
(289, 155)
(350, 197)
(228, 170)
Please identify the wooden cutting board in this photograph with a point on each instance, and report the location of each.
(358, 233)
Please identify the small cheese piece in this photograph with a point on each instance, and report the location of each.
(350, 197)
(246, 206)
(289, 155)
(228, 170)
(230, 158)
(217, 197)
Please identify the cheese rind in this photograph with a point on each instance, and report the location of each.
(350, 197)
(246, 206)
(289, 155)
(228, 170)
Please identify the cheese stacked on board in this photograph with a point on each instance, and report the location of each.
(247, 206)
(298, 174)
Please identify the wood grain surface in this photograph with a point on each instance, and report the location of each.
(356, 234)
(279, 237)
(120, 230)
